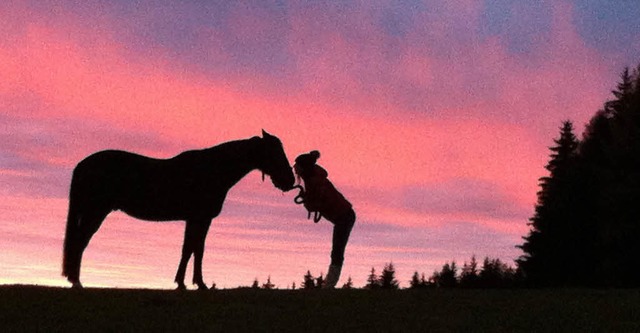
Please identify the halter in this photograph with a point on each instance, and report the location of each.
(299, 199)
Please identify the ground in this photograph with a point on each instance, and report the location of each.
(30, 308)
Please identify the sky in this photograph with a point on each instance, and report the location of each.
(433, 118)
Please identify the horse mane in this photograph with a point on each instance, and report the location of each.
(223, 150)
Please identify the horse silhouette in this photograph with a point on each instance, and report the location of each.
(191, 186)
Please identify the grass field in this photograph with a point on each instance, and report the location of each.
(28, 308)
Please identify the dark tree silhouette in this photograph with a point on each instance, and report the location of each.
(495, 274)
(348, 284)
(469, 275)
(256, 284)
(418, 281)
(309, 281)
(268, 285)
(617, 194)
(320, 281)
(424, 283)
(447, 277)
(547, 247)
(586, 228)
(414, 283)
(387, 279)
(372, 281)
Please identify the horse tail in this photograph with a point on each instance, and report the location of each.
(83, 220)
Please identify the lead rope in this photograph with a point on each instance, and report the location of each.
(299, 199)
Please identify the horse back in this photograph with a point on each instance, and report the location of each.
(145, 187)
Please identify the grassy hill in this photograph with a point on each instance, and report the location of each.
(29, 308)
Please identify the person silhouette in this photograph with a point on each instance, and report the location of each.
(320, 197)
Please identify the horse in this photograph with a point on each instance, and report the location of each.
(191, 186)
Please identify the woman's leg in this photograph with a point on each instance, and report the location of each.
(341, 231)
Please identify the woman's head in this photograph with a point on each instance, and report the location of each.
(305, 162)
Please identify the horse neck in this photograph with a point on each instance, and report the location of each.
(238, 158)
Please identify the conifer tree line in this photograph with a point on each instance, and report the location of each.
(492, 274)
(586, 227)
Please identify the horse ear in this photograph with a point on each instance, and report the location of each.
(265, 134)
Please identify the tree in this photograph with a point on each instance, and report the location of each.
(268, 285)
(309, 281)
(469, 274)
(446, 277)
(496, 274)
(618, 208)
(424, 282)
(387, 279)
(348, 284)
(610, 158)
(256, 284)
(547, 248)
(319, 281)
(585, 228)
(418, 281)
(414, 283)
(372, 280)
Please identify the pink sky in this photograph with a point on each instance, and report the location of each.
(437, 133)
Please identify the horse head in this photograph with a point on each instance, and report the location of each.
(275, 163)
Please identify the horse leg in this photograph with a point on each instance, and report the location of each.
(198, 252)
(194, 236)
(187, 249)
(89, 224)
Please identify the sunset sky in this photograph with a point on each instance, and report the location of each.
(433, 118)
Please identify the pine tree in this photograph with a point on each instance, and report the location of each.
(387, 279)
(256, 284)
(496, 274)
(448, 276)
(372, 280)
(424, 283)
(268, 285)
(418, 281)
(585, 229)
(414, 283)
(617, 208)
(348, 284)
(320, 281)
(309, 281)
(548, 247)
(469, 274)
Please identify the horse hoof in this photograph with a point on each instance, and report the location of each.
(202, 287)
(77, 285)
(181, 287)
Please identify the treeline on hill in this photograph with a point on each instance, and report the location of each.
(586, 226)
(493, 274)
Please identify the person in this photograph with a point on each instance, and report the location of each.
(320, 197)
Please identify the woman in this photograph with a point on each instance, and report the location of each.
(321, 198)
